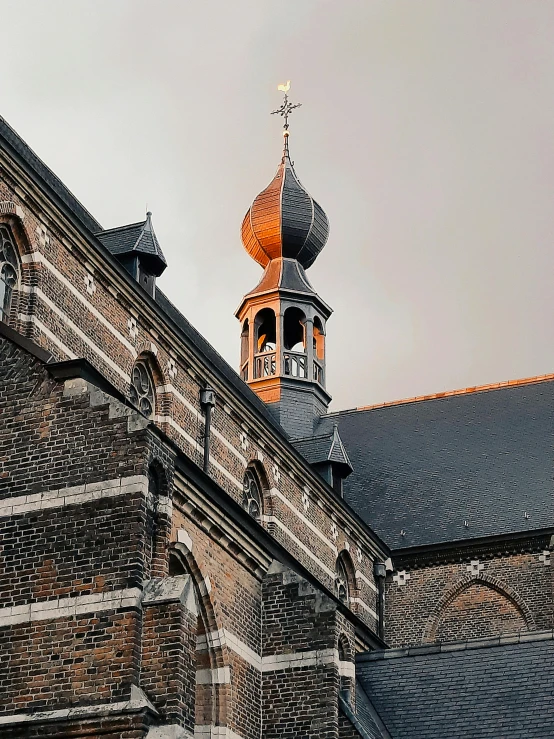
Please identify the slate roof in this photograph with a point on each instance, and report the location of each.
(284, 274)
(364, 717)
(426, 467)
(502, 688)
(325, 448)
(136, 238)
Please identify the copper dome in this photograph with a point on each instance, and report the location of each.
(285, 221)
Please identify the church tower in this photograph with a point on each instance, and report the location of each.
(283, 319)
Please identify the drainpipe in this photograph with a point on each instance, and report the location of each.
(380, 572)
(207, 401)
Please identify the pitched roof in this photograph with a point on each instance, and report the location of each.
(497, 687)
(453, 468)
(283, 274)
(138, 238)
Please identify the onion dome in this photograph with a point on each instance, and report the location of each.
(284, 221)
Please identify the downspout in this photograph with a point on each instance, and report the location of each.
(380, 572)
(207, 401)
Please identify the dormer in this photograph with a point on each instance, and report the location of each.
(138, 250)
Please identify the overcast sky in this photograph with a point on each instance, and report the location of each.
(426, 133)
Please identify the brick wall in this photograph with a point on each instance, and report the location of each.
(301, 675)
(76, 525)
(500, 593)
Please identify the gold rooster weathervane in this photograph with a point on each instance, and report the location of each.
(286, 108)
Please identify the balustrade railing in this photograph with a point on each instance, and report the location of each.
(265, 364)
(295, 364)
(318, 372)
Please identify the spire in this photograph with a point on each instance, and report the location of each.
(284, 111)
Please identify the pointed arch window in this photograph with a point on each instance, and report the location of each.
(142, 389)
(341, 582)
(252, 495)
(9, 271)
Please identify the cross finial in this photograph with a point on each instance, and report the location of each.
(286, 108)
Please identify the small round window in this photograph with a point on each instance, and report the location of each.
(142, 389)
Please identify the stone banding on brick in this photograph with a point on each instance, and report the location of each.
(34, 321)
(137, 702)
(67, 607)
(39, 258)
(75, 495)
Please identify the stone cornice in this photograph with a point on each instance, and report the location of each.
(484, 548)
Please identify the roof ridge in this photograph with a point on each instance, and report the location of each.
(326, 435)
(120, 228)
(448, 394)
(502, 640)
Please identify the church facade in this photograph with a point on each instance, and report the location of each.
(188, 551)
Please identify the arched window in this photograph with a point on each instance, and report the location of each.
(244, 349)
(341, 582)
(9, 270)
(294, 330)
(319, 333)
(265, 334)
(265, 331)
(153, 481)
(142, 389)
(252, 495)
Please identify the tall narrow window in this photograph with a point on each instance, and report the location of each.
(251, 495)
(142, 389)
(8, 271)
(341, 582)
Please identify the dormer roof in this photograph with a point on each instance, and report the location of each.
(135, 238)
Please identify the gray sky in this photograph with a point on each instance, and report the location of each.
(426, 133)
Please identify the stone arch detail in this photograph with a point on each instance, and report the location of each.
(163, 401)
(29, 279)
(345, 649)
(214, 701)
(14, 216)
(345, 560)
(144, 352)
(495, 584)
(263, 478)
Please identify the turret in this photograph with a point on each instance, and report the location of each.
(284, 321)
